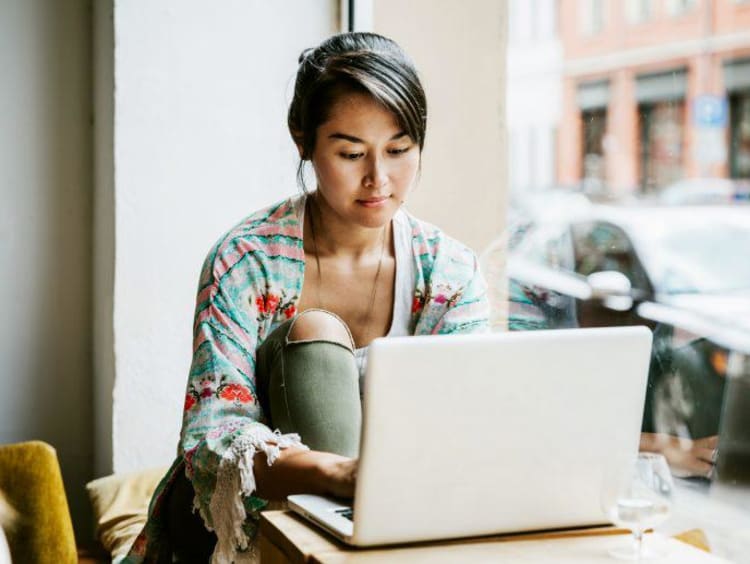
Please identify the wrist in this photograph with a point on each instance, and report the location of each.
(651, 442)
(328, 472)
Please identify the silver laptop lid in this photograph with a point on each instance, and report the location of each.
(479, 434)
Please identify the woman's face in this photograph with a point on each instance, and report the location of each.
(364, 162)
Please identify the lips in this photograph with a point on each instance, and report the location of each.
(373, 202)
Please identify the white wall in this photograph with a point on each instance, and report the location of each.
(45, 234)
(200, 140)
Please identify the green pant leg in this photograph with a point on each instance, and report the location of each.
(311, 388)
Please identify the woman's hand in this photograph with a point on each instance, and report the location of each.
(340, 475)
(299, 470)
(685, 457)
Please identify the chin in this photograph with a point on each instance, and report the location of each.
(375, 217)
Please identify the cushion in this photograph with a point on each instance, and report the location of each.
(31, 480)
(7, 517)
(120, 503)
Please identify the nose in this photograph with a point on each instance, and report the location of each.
(376, 175)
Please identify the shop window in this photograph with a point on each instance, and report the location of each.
(739, 111)
(639, 11)
(679, 7)
(592, 16)
(594, 122)
(661, 143)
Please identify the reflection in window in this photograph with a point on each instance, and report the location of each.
(686, 386)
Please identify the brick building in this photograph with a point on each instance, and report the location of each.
(653, 91)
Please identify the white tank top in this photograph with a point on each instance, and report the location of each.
(406, 280)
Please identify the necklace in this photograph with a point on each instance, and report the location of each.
(368, 315)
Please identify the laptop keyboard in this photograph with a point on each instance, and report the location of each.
(346, 512)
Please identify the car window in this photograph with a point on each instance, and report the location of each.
(601, 246)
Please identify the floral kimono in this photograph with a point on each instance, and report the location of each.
(250, 283)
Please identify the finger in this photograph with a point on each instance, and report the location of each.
(700, 468)
(705, 454)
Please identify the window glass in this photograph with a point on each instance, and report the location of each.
(647, 182)
(601, 247)
(696, 258)
(740, 134)
(661, 134)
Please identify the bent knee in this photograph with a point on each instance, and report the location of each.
(316, 324)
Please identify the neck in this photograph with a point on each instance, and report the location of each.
(336, 237)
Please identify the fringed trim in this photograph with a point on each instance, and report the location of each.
(235, 479)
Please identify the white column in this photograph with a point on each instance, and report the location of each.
(191, 137)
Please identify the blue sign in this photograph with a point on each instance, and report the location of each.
(710, 111)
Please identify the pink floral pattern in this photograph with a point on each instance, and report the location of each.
(269, 304)
(235, 392)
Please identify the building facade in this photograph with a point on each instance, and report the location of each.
(653, 91)
(533, 94)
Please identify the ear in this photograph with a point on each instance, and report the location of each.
(298, 139)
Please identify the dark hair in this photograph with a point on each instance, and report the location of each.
(348, 63)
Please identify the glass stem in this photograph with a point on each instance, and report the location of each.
(638, 540)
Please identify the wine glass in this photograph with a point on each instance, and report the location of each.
(638, 497)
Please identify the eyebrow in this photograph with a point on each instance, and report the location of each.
(353, 139)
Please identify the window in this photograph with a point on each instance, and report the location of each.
(592, 99)
(679, 7)
(652, 128)
(661, 135)
(531, 20)
(661, 115)
(594, 124)
(601, 246)
(739, 153)
(639, 11)
(592, 16)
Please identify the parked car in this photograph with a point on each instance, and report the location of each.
(682, 271)
(612, 258)
(702, 191)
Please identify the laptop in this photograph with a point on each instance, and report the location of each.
(471, 435)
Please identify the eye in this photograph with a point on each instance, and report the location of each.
(399, 151)
(351, 156)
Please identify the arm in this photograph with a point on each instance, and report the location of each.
(301, 471)
(686, 457)
(228, 449)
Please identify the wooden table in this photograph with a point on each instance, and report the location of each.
(286, 538)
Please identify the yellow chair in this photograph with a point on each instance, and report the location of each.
(31, 480)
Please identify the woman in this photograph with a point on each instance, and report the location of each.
(290, 299)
